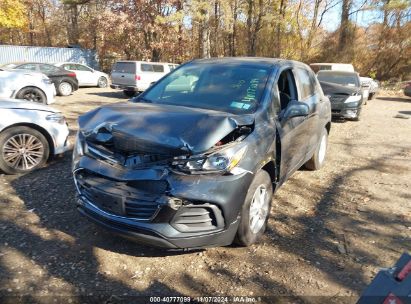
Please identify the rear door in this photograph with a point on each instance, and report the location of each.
(124, 73)
(85, 75)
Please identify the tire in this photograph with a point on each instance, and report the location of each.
(317, 161)
(15, 139)
(129, 93)
(32, 94)
(102, 82)
(64, 88)
(249, 233)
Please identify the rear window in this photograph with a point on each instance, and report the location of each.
(146, 67)
(125, 67)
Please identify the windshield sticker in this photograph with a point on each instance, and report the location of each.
(240, 105)
(251, 91)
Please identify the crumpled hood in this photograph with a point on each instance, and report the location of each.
(330, 88)
(154, 128)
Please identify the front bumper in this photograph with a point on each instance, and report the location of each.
(60, 135)
(346, 110)
(120, 200)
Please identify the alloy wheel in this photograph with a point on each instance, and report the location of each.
(259, 209)
(23, 151)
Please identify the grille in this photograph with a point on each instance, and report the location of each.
(338, 99)
(134, 199)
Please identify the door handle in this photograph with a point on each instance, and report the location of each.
(122, 75)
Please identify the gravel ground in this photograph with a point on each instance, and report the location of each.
(329, 232)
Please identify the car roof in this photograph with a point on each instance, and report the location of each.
(337, 72)
(260, 61)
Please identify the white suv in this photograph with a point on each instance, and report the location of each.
(137, 76)
(21, 84)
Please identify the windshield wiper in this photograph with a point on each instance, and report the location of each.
(141, 99)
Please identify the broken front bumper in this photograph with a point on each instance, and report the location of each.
(346, 110)
(158, 207)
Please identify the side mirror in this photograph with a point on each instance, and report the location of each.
(296, 109)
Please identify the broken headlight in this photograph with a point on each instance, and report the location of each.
(223, 160)
(78, 149)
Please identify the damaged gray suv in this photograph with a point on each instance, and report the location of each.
(194, 161)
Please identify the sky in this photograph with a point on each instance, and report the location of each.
(363, 18)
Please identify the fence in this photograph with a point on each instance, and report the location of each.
(14, 53)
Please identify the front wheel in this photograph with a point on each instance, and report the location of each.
(22, 150)
(317, 161)
(102, 82)
(32, 94)
(64, 88)
(255, 211)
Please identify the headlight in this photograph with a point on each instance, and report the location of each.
(353, 98)
(221, 161)
(56, 117)
(79, 149)
(46, 81)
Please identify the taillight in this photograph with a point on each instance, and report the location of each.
(138, 77)
(404, 272)
(392, 299)
(72, 74)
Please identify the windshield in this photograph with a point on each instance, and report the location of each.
(228, 87)
(350, 80)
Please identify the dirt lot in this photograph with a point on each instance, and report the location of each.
(329, 233)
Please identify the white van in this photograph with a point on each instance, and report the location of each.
(137, 76)
(346, 67)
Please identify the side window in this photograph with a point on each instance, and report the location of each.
(146, 67)
(46, 68)
(287, 89)
(306, 85)
(28, 66)
(80, 67)
(67, 67)
(158, 68)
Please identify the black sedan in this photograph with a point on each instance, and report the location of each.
(65, 81)
(345, 93)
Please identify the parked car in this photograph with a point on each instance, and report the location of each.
(345, 101)
(64, 81)
(316, 67)
(29, 134)
(193, 161)
(86, 76)
(407, 90)
(345, 93)
(26, 85)
(366, 84)
(137, 76)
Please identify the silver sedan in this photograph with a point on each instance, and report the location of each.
(30, 133)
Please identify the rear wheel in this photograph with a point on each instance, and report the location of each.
(102, 82)
(317, 161)
(255, 211)
(22, 150)
(65, 88)
(129, 93)
(32, 94)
